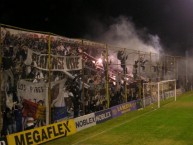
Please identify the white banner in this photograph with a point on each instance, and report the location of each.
(33, 92)
(58, 63)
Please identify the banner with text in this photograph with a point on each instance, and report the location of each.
(103, 116)
(34, 92)
(85, 121)
(43, 134)
(58, 63)
(123, 108)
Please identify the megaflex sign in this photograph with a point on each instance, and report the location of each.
(42, 134)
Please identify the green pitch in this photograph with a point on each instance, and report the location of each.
(172, 124)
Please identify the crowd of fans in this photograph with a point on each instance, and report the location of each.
(81, 100)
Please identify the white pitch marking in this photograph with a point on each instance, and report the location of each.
(112, 127)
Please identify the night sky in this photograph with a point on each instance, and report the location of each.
(170, 20)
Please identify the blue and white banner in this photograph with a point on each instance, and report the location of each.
(103, 116)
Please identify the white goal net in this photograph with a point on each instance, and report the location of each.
(155, 92)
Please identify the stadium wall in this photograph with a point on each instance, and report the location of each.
(68, 127)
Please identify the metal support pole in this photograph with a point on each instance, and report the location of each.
(175, 90)
(125, 81)
(107, 78)
(83, 91)
(158, 95)
(143, 96)
(49, 79)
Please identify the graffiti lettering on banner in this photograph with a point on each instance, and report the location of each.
(103, 116)
(42, 134)
(32, 91)
(59, 63)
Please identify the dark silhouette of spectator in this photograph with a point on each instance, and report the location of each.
(7, 64)
(142, 62)
(103, 57)
(10, 119)
(4, 127)
(135, 66)
(122, 57)
(18, 117)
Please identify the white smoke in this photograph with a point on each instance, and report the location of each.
(123, 33)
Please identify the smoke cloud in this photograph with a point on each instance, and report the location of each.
(123, 33)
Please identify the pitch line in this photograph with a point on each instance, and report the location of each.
(113, 127)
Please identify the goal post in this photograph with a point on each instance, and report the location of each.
(169, 92)
(155, 92)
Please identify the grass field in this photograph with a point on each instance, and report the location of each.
(172, 124)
